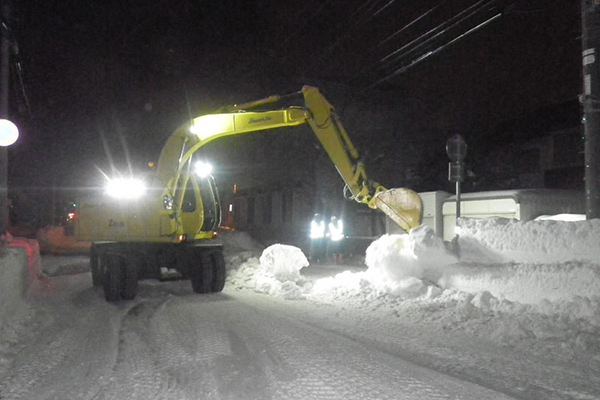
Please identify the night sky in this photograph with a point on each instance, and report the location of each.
(102, 76)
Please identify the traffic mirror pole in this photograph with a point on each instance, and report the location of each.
(456, 148)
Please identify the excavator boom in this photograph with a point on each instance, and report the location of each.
(402, 205)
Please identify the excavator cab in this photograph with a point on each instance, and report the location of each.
(198, 201)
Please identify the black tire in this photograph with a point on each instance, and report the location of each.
(113, 277)
(130, 277)
(200, 271)
(96, 267)
(219, 271)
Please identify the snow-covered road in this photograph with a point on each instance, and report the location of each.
(172, 344)
(331, 342)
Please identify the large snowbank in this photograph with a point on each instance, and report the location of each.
(501, 240)
(538, 279)
(19, 269)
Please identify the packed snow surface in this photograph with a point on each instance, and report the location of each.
(509, 306)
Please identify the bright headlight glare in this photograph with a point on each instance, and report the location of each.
(210, 125)
(202, 169)
(125, 188)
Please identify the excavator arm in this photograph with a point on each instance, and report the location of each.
(403, 206)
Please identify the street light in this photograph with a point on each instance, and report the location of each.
(9, 133)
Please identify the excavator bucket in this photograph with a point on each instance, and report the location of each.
(403, 206)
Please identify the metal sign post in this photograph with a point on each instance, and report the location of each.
(456, 148)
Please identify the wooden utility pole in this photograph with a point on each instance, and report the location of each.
(4, 90)
(590, 99)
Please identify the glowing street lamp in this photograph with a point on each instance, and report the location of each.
(9, 133)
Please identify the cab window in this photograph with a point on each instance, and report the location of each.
(189, 198)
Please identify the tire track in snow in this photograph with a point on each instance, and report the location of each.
(135, 374)
(189, 341)
(19, 384)
(307, 362)
(67, 352)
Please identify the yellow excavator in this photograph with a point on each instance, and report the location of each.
(143, 231)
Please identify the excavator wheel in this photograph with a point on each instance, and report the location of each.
(113, 277)
(129, 275)
(201, 273)
(219, 271)
(96, 267)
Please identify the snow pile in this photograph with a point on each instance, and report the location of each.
(236, 241)
(491, 277)
(19, 268)
(527, 283)
(399, 263)
(32, 251)
(501, 240)
(399, 266)
(283, 262)
(276, 273)
(238, 248)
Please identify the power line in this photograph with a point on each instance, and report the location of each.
(389, 3)
(405, 27)
(435, 51)
(351, 29)
(442, 26)
(427, 38)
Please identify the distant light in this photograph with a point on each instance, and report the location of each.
(457, 230)
(202, 169)
(151, 164)
(317, 229)
(336, 230)
(9, 133)
(230, 207)
(71, 215)
(125, 188)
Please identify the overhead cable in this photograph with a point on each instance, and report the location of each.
(430, 53)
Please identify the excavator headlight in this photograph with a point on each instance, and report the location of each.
(125, 188)
(203, 169)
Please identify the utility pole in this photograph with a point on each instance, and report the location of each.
(590, 99)
(4, 90)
